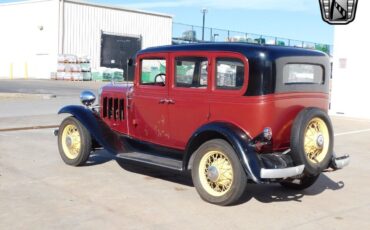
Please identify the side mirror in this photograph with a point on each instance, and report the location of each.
(87, 98)
(130, 62)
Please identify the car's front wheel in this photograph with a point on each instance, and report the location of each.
(217, 173)
(74, 142)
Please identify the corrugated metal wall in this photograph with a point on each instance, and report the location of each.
(29, 39)
(84, 24)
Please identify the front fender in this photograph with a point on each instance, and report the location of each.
(238, 139)
(97, 128)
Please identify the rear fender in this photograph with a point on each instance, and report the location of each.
(238, 139)
(97, 128)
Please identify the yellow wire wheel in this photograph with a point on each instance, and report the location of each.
(316, 140)
(71, 141)
(74, 142)
(216, 173)
(312, 140)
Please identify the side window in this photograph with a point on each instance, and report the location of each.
(191, 72)
(153, 72)
(229, 73)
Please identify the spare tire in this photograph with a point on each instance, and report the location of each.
(312, 140)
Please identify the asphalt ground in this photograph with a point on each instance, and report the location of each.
(38, 191)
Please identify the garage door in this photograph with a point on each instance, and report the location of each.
(116, 50)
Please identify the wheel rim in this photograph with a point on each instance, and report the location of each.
(317, 140)
(71, 141)
(216, 173)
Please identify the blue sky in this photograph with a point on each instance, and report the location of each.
(294, 19)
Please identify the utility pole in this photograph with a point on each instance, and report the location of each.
(204, 11)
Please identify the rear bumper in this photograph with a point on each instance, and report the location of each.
(340, 162)
(286, 171)
(282, 172)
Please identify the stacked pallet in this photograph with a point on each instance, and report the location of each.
(107, 74)
(72, 68)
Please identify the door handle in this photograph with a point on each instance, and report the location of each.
(170, 101)
(162, 101)
(166, 101)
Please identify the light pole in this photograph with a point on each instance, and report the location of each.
(214, 37)
(204, 11)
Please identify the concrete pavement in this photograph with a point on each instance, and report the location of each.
(38, 191)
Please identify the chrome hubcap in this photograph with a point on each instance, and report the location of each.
(212, 173)
(320, 140)
(69, 141)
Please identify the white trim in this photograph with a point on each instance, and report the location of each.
(114, 7)
(23, 2)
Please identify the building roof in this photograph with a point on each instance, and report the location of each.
(114, 7)
(107, 6)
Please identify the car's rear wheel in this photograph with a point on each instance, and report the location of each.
(312, 140)
(217, 173)
(74, 142)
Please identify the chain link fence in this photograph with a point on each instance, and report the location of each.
(184, 33)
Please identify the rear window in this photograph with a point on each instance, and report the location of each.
(303, 74)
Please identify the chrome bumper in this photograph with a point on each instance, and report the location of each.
(340, 162)
(282, 172)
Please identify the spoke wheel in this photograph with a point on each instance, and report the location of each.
(312, 141)
(316, 141)
(74, 142)
(71, 141)
(217, 173)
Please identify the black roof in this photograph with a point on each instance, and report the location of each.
(249, 50)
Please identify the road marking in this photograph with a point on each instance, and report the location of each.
(352, 132)
(29, 128)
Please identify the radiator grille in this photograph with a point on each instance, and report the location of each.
(113, 108)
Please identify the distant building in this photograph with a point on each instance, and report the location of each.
(33, 33)
(351, 75)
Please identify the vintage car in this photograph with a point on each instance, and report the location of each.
(231, 113)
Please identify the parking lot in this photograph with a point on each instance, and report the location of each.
(38, 191)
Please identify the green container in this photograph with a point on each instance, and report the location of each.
(86, 76)
(107, 76)
(97, 76)
(146, 77)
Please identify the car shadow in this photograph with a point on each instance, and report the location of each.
(276, 193)
(183, 178)
(264, 193)
(99, 157)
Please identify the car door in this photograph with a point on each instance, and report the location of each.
(188, 95)
(150, 122)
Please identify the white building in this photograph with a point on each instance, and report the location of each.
(33, 33)
(351, 77)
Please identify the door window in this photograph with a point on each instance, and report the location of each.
(153, 72)
(229, 73)
(191, 72)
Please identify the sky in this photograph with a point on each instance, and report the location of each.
(293, 19)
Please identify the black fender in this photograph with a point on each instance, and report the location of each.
(238, 139)
(97, 128)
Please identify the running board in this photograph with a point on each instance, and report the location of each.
(150, 159)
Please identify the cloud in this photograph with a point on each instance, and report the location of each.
(284, 5)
